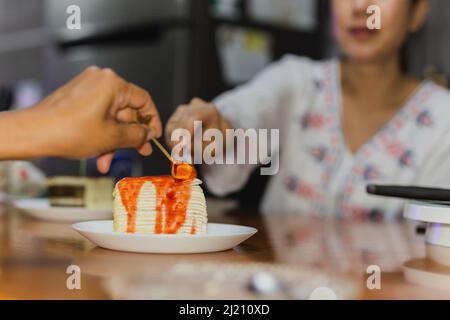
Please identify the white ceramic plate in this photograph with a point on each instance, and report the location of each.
(41, 209)
(220, 237)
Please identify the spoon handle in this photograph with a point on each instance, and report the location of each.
(163, 150)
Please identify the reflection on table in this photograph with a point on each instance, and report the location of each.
(34, 256)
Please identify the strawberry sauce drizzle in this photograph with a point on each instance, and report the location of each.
(172, 198)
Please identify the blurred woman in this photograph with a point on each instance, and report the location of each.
(343, 122)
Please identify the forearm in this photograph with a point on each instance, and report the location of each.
(222, 179)
(224, 124)
(22, 135)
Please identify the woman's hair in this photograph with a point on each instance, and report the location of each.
(404, 50)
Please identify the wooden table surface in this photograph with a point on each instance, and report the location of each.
(34, 255)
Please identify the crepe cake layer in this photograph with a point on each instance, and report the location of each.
(88, 192)
(159, 205)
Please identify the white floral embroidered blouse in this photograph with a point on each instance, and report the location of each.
(318, 174)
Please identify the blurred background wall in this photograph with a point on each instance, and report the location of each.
(177, 49)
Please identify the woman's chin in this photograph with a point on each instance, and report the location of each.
(364, 57)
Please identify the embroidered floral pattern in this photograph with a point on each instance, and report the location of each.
(312, 120)
(302, 189)
(319, 153)
(424, 119)
(329, 151)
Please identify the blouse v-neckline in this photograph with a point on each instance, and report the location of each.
(399, 114)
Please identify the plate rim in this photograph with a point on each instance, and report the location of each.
(19, 204)
(252, 231)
